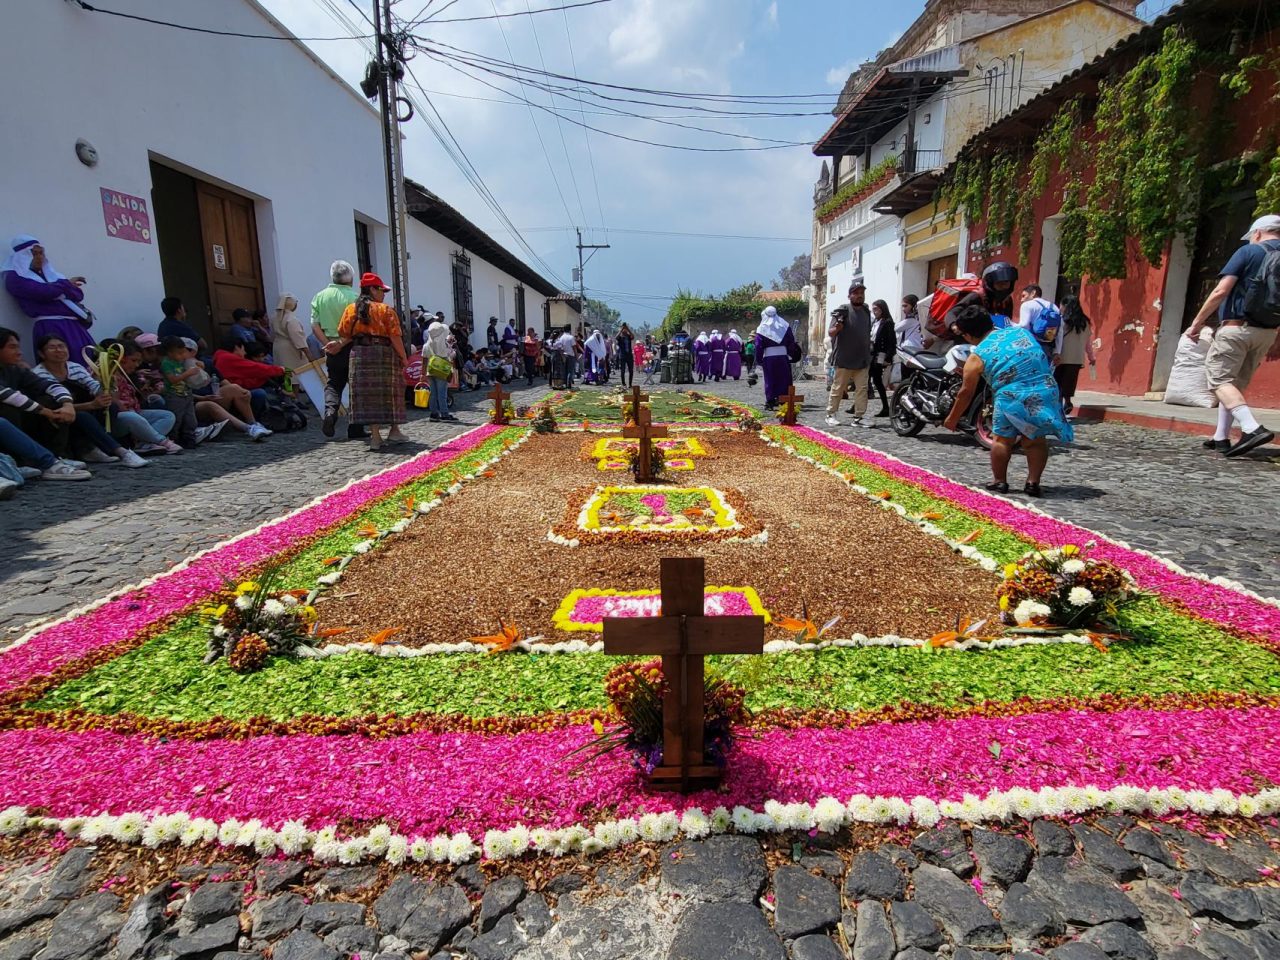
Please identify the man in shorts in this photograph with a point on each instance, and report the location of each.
(1240, 344)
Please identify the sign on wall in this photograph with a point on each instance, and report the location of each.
(126, 216)
(855, 259)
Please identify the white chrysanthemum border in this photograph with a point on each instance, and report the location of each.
(828, 814)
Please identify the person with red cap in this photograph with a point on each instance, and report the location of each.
(372, 328)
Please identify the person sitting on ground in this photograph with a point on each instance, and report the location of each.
(89, 400)
(1027, 402)
(471, 373)
(147, 378)
(202, 379)
(262, 326)
(148, 426)
(175, 324)
(191, 413)
(55, 302)
(234, 365)
(242, 327)
(129, 333)
(26, 399)
(493, 365)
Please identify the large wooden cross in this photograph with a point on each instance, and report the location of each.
(644, 431)
(683, 635)
(499, 403)
(790, 403)
(635, 400)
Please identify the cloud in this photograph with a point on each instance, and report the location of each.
(772, 13)
(836, 76)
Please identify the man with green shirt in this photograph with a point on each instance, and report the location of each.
(327, 308)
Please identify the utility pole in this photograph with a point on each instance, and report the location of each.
(389, 71)
(582, 282)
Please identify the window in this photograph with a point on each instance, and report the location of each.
(462, 290)
(521, 322)
(364, 248)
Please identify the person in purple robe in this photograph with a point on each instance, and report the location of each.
(53, 301)
(716, 343)
(732, 356)
(776, 350)
(702, 357)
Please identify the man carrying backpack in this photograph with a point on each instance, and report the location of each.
(1247, 299)
(1040, 318)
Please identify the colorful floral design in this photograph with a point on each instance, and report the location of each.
(675, 511)
(585, 610)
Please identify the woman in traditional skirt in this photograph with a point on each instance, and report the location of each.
(377, 362)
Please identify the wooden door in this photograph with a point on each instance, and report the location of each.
(230, 233)
(943, 268)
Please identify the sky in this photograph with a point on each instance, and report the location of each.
(549, 175)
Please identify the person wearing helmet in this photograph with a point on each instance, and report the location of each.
(998, 280)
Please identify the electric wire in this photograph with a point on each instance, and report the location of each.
(586, 134)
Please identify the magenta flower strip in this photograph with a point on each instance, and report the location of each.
(134, 608)
(1218, 604)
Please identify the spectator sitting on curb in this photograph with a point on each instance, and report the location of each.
(234, 365)
(149, 426)
(23, 396)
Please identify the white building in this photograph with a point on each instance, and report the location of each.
(224, 170)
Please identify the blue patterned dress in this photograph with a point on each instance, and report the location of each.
(1027, 398)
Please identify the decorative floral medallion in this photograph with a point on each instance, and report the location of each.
(612, 453)
(644, 513)
(586, 610)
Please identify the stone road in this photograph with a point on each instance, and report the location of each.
(67, 544)
(1108, 890)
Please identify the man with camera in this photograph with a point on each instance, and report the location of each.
(851, 331)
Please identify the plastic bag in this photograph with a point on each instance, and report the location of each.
(1188, 386)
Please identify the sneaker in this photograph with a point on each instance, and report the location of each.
(450, 418)
(97, 456)
(131, 460)
(63, 470)
(142, 448)
(202, 434)
(256, 432)
(863, 423)
(215, 429)
(1248, 441)
(329, 424)
(171, 447)
(30, 473)
(1220, 446)
(77, 464)
(7, 488)
(266, 431)
(832, 421)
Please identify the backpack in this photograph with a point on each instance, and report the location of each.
(1047, 323)
(1262, 298)
(282, 416)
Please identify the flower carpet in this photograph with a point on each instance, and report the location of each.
(398, 734)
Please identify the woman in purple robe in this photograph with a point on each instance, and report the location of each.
(776, 350)
(53, 301)
(716, 343)
(702, 357)
(732, 356)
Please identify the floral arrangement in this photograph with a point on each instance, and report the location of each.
(545, 420)
(586, 610)
(253, 621)
(657, 461)
(1061, 588)
(636, 689)
(748, 423)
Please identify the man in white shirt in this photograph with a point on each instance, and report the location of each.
(566, 345)
(1034, 304)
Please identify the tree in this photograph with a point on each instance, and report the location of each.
(600, 314)
(743, 294)
(795, 276)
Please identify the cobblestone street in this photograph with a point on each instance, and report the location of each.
(71, 543)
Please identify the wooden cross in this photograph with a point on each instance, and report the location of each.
(644, 431)
(683, 635)
(791, 402)
(635, 400)
(499, 403)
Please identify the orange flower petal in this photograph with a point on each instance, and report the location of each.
(382, 636)
(971, 536)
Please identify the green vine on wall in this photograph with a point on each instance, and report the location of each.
(871, 176)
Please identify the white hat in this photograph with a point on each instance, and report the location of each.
(1266, 224)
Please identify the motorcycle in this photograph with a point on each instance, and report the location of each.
(929, 388)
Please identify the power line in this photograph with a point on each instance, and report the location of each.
(586, 134)
(676, 233)
(559, 125)
(504, 16)
(210, 30)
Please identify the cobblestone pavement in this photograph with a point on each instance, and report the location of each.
(1107, 890)
(69, 543)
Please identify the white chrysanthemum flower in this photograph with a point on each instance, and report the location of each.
(859, 807)
(1051, 802)
(1268, 801)
(591, 846)
(1080, 597)
(1073, 566)
(326, 851)
(228, 832)
(248, 833)
(1130, 799)
(397, 850)
(518, 837)
(329, 579)
(273, 608)
(542, 839)
(970, 807)
(650, 828)
(288, 599)
(1074, 800)
(828, 814)
(95, 828)
(353, 850)
(1178, 799)
(128, 827)
(1023, 803)
(951, 810)
(158, 832)
(881, 810)
(420, 850)
(628, 830)
(925, 812)
(1201, 802)
(1247, 806)
(220, 631)
(767, 824)
(496, 846)
(1225, 800)
(362, 546)
(244, 602)
(899, 811)
(376, 840)
(800, 816)
(606, 834)
(744, 819)
(694, 823)
(264, 842)
(1095, 796)
(668, 826)
(461, 848)
(996, 806)
(720, 819)
(191, 834)
(293, 837)
(13, 820)
(1158, 802)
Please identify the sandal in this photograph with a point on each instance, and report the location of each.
(997, 486)
(1033, 490)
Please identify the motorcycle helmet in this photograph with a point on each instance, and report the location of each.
(998, 279)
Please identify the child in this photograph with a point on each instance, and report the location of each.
(177, 388)
(201, 378)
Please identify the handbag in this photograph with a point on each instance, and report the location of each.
(439, 368)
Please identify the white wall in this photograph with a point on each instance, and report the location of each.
(881, 262)
(259, 117)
